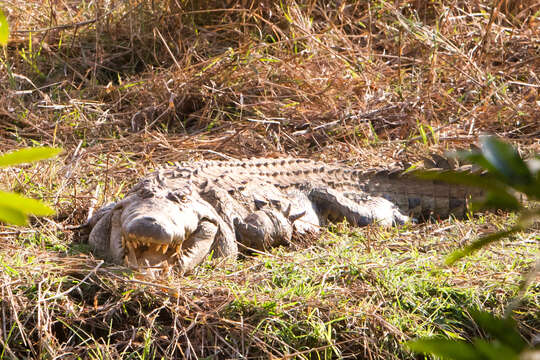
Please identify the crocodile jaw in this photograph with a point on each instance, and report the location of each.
(153, 230)
(143, 253)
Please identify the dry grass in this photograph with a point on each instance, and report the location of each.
(124, 86)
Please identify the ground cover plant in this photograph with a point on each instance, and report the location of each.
(123, 86)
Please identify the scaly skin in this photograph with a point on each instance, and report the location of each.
(179, 215)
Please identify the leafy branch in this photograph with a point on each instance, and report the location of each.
(15, 208)
(506, 176)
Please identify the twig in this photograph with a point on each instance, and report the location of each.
(140, 281)
(156, 30)
(492, 16)
(64, 293)
(265, 121)
(226, 157)
(66, 26)
(59, 27)
(93, 203)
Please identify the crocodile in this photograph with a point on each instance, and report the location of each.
(179, 215)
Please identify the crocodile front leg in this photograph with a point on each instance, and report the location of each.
(195, 249)
(334, 206)
(264, 229)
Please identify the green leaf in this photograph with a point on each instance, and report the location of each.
(534, 165)
(12, 216)
(506, 160)
(501, 329)
(4, 29)
(24, 205)
(474, 157)
(479, 243)
(447, 349)
(28, 155)
(527, 217)
(460, 177)
(9, 269)
(498, 200)
(423, 134)
(494, 350)
(532, 190)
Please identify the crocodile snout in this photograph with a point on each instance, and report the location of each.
(153, 230)
(149, 229)
(149, 241)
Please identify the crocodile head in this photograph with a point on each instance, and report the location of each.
(148, 227)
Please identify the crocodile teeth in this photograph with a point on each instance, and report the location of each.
(177, 251)
(164, 249)
(131, 258)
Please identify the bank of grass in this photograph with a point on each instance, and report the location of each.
(125, 86)
(351, 292)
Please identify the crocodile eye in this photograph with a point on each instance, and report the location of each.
(146, 193)
(175, 196)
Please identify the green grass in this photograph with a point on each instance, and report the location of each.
(381, 72)
(338, 281)
(349, 292)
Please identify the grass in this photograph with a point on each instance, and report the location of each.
(125, 87)
(348, 293)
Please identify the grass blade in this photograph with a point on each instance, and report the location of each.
(459, 177)
(506, 160)
(479, 243)
(447, 349)
(502, 329)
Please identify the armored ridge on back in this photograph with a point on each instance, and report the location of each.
(178, 215)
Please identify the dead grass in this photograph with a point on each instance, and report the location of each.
(124, 86)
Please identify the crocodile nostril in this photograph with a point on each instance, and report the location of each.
(148, 219)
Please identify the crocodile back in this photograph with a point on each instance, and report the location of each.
(413, 196)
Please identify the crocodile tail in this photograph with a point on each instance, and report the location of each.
(421, 198)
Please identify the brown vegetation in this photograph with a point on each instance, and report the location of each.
(124, 86)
